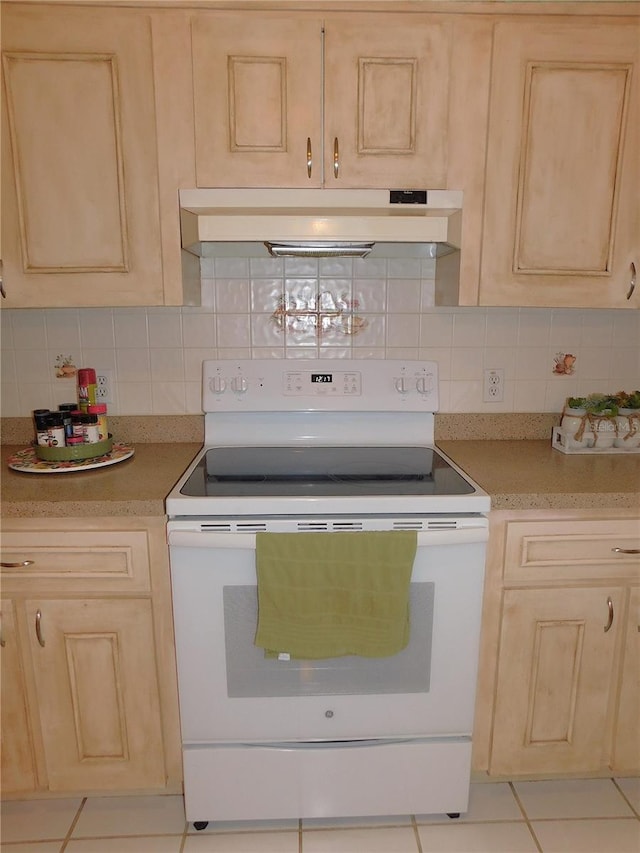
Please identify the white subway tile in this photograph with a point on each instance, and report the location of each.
(165, 329)
(466, 363)
(96, 327)
(29, 330)
(133, 365)
(198, 330)
(131, 328)
(403, 330)
(232, 296)
(436, 330)
(134, 398)
(469, 327)
(232, 331)
(502, 327)
(534, 327)
(168, 398)
(63, 329)
(403, 296)
(167, 364)
(529, 395)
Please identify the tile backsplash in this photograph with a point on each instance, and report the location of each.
(384, 309)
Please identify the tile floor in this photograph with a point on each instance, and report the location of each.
(577, 816)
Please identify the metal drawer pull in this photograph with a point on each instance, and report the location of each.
(336, 158)
(607, 627)
(632, 283)
(17, 565)
(2, 290)
(626, 550)
(2, 643)
(39, 629)
(309, 157)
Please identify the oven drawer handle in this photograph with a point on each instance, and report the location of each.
(208, 539)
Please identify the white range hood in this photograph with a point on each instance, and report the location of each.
(320, 222)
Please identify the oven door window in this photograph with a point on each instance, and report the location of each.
(250, 674)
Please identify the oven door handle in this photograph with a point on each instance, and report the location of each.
(214, 539)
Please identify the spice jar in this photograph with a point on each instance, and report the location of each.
(100, 409)
(40, 422)
(54, 436)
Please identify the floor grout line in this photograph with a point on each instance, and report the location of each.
(526, 817)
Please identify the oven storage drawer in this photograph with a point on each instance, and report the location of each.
(326, 779)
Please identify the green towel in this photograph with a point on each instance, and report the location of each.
(324, 595)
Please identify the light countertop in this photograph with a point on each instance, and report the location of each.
(517, 474)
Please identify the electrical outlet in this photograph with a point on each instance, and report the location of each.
(493, 385)
(104, 384)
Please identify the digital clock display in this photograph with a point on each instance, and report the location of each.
(322, 377)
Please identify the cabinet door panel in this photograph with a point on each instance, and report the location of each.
(18, 765)
(554, 678)
(562, 220)
(626, 747)
(97, 693)
(80, 173)
(258, 97)
(386, 101)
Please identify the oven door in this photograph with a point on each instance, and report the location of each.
(230, 692)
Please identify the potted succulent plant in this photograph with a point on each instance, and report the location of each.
(628, 419)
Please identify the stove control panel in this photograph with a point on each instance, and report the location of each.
(340, 385)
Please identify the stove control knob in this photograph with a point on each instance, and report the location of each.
(218, 385)
(239, 384)
(402, 385)
(424, 384)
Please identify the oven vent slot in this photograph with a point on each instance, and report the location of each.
(335, 526)
(450, 524)
(217, 527)
(407, 524)
(250, 527)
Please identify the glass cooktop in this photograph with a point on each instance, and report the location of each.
(323, 471)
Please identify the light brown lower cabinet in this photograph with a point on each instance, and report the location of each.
(88, 680)
(559, 686)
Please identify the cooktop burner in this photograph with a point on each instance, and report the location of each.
(323, 471)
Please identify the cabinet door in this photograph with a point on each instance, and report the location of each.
(555, 674)
(17, 756)
(258, 99)
(626, 745)
(386, 101)
(97, 691)
(79, 171)
(562, 218)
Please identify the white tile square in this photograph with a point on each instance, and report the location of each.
(597, 328)
(571, 798)
(466, 363)
(370, 268)
(403, 268)
(96, 327)
(133, 365)
(233, 331)
(242, 842)
(232, 296)
(231, 268)
(403, 296)
(301, 267)
(336, 267)
(144, 844)
(168, 398)
(266, 267)
(193, 359)
(266, 294)
(626, 327)
(370, 294)
(6, 329)
(436, 330)
(478, 838)
(593, 363)
(532, 363)
(529, 395)
(502, 327)
(566, 329)
(399, 839)
(489, 801)
(35, 366)
(63, 328)
(534, 327)
(33, 820)
(104, 817)
(105, 358)
(130, 328)
(165, 329)
(469, 327)
(403, 330)
(588, 836)
(630, 787)
(442, 357)
(134, 398)
(167, 364)
(199, 330)
(29, 329)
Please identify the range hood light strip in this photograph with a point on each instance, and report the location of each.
(319, 250)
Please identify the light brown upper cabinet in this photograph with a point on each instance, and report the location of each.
(81, 210)
(562, 208)
(297, 100)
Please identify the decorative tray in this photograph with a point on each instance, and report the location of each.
(28, 461)
(562, 441)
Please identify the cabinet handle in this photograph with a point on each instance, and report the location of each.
(632, 283)
(17, 565)
(626, 550)
(2, 643)
(607, 627)
(39, 628)
(336, 158)
(2, 291)
(309, 157)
